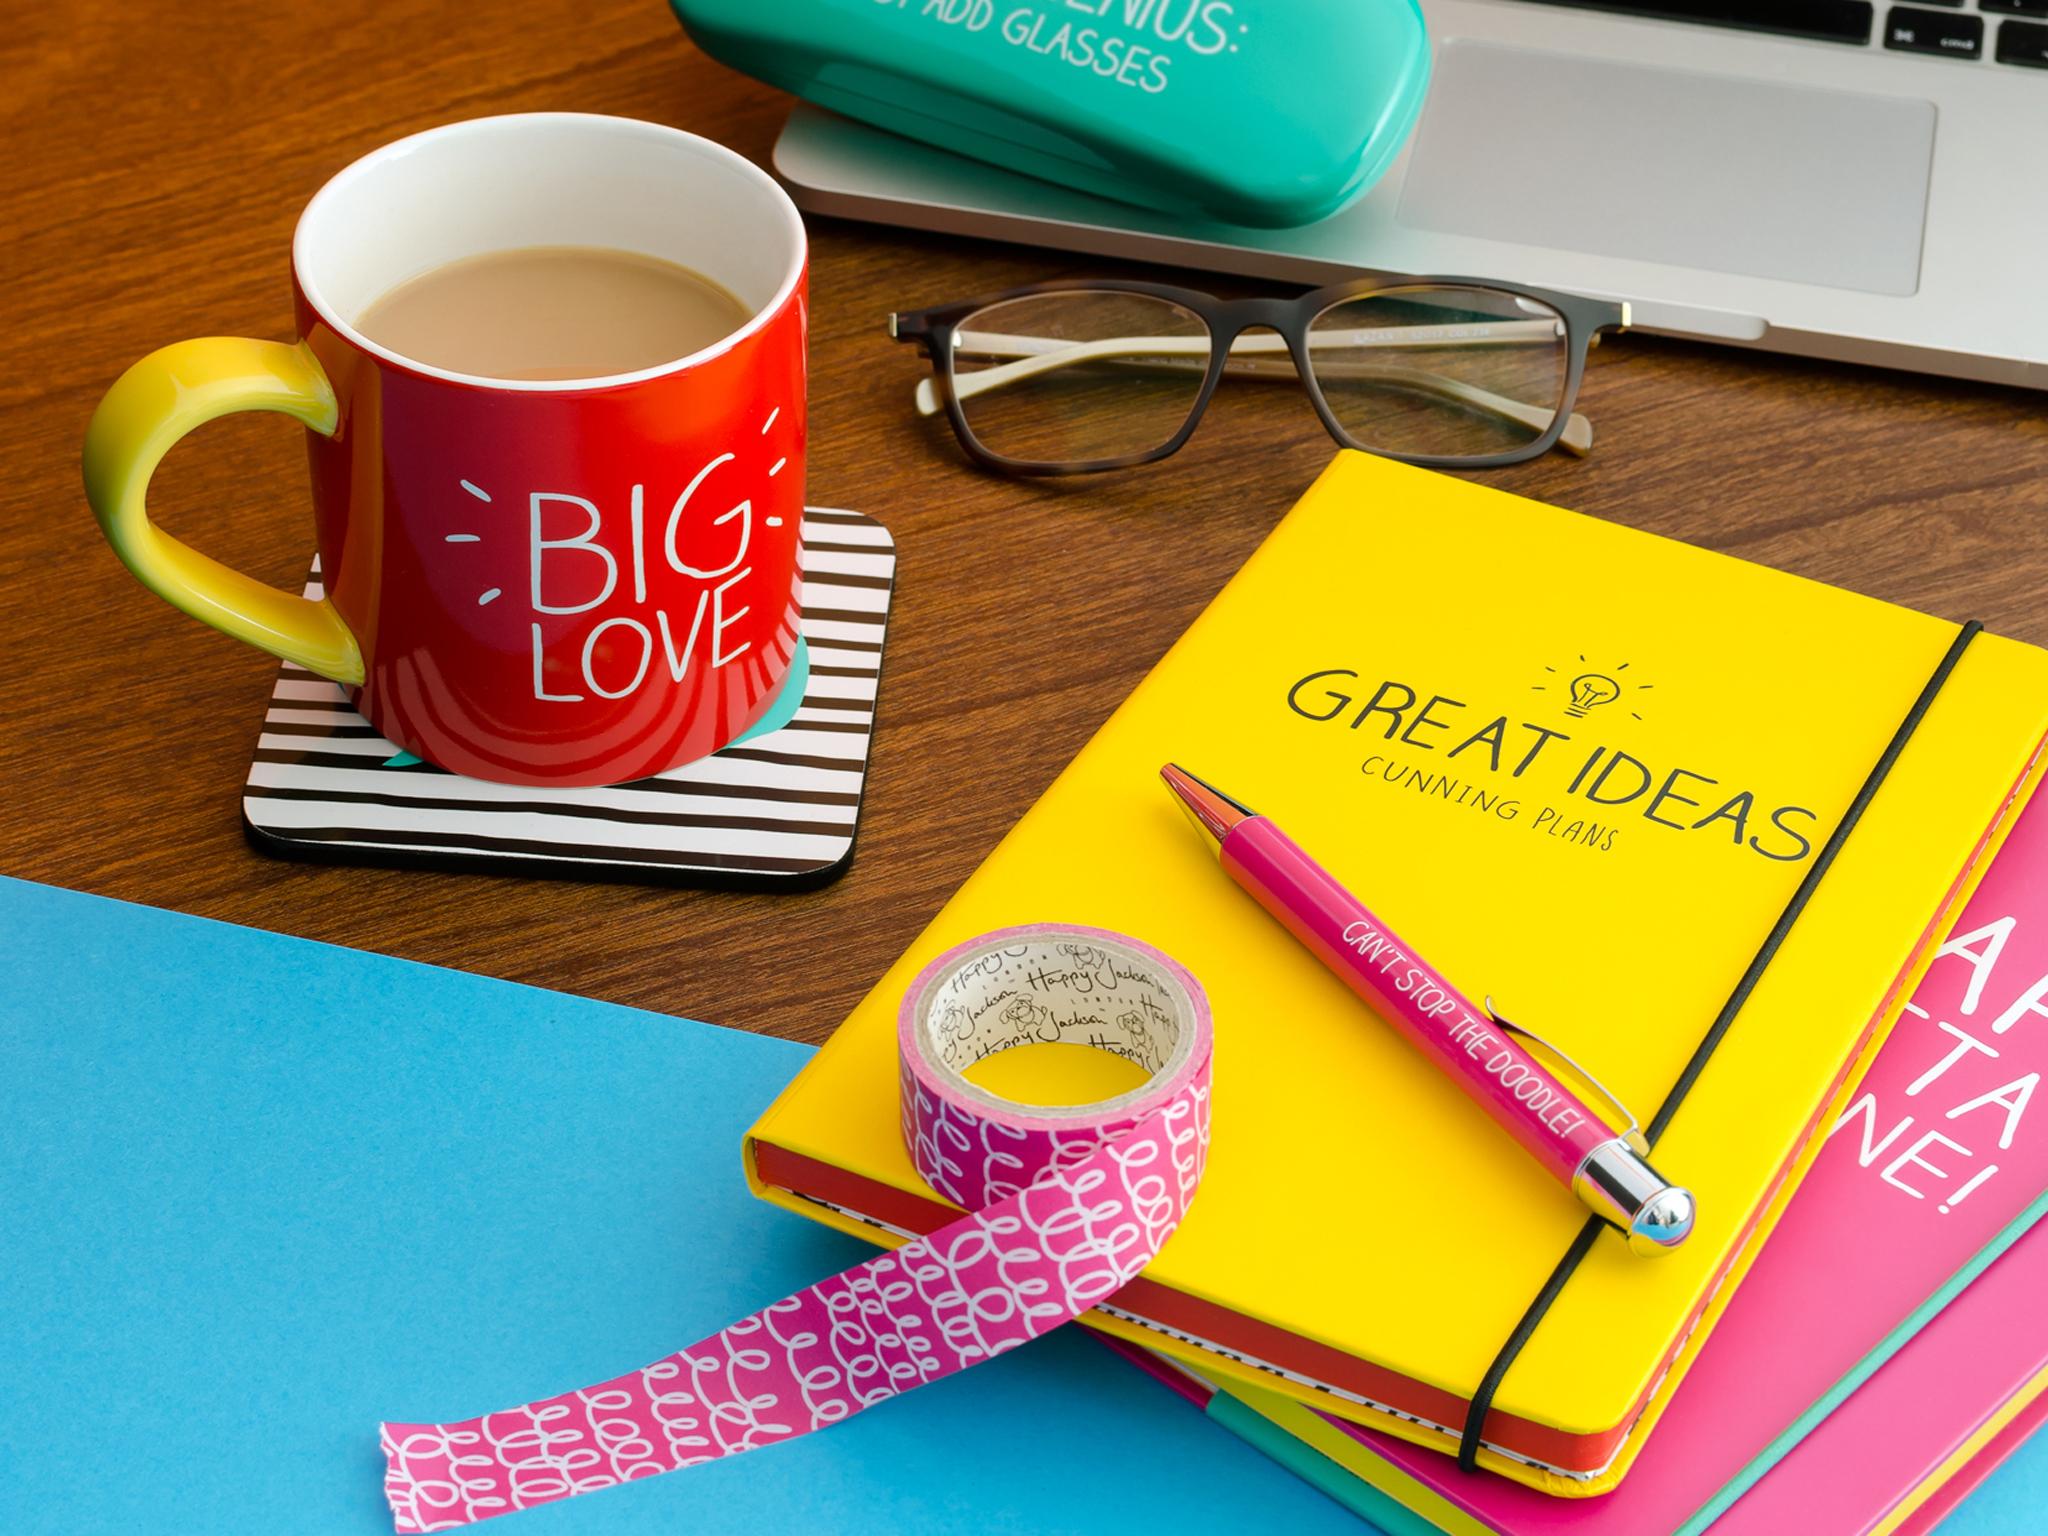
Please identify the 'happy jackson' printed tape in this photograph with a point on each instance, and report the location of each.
(1064, 1205)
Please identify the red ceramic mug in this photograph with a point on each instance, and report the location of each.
(539, 582)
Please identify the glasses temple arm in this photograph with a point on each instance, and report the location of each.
(1576, 439)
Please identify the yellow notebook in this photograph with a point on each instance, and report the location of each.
(1582, 769)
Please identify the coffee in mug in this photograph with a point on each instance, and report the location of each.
(553, 312)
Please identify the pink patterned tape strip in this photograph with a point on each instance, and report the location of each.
(1065, 1205)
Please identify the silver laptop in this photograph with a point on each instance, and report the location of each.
(1825, 177)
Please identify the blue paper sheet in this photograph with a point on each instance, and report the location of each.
(257, 1193)
(2012, 1501)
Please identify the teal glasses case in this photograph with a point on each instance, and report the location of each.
(1264, 112)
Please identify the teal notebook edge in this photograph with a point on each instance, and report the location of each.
(263, 1192)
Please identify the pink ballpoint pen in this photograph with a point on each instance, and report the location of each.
(1605, 1168)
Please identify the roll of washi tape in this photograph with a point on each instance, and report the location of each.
(1064, 1205)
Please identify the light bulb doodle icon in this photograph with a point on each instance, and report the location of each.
(1589, 691)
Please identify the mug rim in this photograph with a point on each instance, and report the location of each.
(367, 164)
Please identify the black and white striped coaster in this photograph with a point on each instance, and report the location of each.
(779, 810)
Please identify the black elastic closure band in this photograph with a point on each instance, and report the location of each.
(1574, 1256)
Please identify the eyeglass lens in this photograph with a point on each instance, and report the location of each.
(1440, 371)
(1079, 376)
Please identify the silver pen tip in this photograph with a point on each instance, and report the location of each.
(1663, 1223)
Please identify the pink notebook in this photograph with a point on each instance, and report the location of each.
(1945, 1143)
(1863, 1461)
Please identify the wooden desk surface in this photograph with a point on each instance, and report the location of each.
(157, 159)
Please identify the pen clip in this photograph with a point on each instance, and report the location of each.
(1632, 1133)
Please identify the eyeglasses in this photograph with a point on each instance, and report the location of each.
(1066, 378)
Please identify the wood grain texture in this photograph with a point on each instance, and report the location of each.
(156, 160)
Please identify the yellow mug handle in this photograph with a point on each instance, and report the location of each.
(150, 407)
